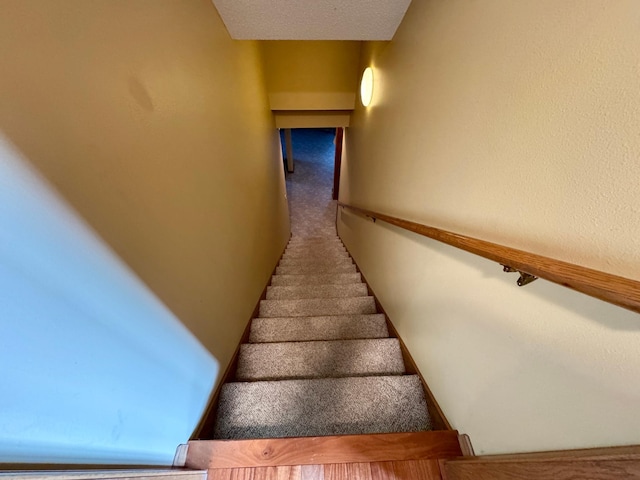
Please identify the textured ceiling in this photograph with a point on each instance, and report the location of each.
(312, 19)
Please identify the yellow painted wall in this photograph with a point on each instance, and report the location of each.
(515, 122)
(311, 75)
(155, 126)
(312, 119)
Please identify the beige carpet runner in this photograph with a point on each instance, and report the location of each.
(320, 361)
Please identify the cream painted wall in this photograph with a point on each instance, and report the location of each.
(155, 126)
(311, 75)
(515, 122)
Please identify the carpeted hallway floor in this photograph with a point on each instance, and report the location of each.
(309, 188)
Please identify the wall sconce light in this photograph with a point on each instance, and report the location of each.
(366, 87)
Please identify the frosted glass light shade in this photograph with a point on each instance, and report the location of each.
(366, 87)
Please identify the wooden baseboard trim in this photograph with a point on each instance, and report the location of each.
(465, 446)
(210, 454)
(205, 427)
(627, 452)
(611, 463)
(438, 418)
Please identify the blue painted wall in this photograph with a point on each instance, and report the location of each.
(93, 367)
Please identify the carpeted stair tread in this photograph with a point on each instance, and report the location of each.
(335, 358)
(307, 269)
(316, 279)
(296, 292)
(317, 407)
(314, 255)
(310, 240)
(317, 236)
(309, 245)
(318, 262)
(319, 252)
(316, 241)
(321, 247)
(317, 255)
(301, 329)
(317, 307)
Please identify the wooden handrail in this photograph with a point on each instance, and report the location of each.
(620, 291)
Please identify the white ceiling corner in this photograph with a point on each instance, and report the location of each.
(312, 19)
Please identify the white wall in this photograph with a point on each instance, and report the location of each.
(515, 122)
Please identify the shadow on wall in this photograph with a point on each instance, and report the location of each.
(94, 368)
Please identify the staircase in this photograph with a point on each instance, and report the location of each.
(319, 359)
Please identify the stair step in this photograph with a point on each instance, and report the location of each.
(301, 329)
(317, 307)
(318, 233)
(320, 262)
(296, 292)
(319, 238)
(316, 248)
(314, 255)
(315, 252)
(316, 279)
(315, 239)
(306, 269)
(317, 244)
(318, 407)
(335, 358)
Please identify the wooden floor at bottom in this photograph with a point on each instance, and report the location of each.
(396, 470)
